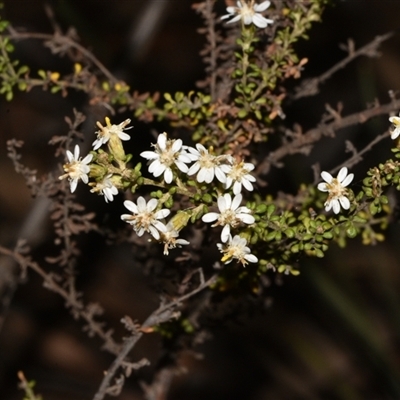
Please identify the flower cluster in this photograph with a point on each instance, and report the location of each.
(249, 13)
(169, 160)
(170, 155)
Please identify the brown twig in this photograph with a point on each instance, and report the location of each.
(62, 42)
(310, 87)
(302, 142)
(164, 313)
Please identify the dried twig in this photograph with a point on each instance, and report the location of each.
(310, 87)
(164, 313)
(326, 129)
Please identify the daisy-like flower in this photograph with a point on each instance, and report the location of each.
(395, 131)
(239, 175)
(170, 238)
(144, 218)
(336, 188)
(230, 214)
(106, 188)
(236, 248)
(105, 132)
(249, 13)
(76, 168)
(167, 153)
(206, 165)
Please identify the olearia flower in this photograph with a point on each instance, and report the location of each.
(236, 249)
(167, 152)
(144, 218)
(170, 238)
(395, 131)
(105, 132)
(336, 188)
(76, 168)
(239, 175)
(249, 13)
(106, 188)
(206, 165)
(230, 216)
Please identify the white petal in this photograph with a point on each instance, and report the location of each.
(236, 201)
(149, 155)
(395, 133)
(251, 258)
(70, 156)
(326, 176)
(181, 166)
(87, 159)
(154, 232)
(342, 174)
(205, 175)
(141, 204)
(162, 141)
(259, 21)
(237, 187)
(237, 18)
(151, 205)
(162, 213)
(328, 205)
(224, 202)
(344, 202)
(123, 136)
(168, 175)
(246, 218)
(225, 233)
(322, 187)
(210, 217)
(247, 19)
(160, 226)
(220, 175)
(176, 146)
(261, 7)
(194, 168)
(348, 180)
(131, 206)
(76, 152)
(246, 183)
(336, 206)
(73, 184)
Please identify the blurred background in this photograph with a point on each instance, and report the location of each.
(331, 333)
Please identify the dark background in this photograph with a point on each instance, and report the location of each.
(331, 333)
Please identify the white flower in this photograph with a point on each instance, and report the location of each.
(206, 166)
(106, 188)
(249, 13)
(230, 214)
(395, 131)
(167, 153)
(170, 238)
(236, 248)
(239, 174)
(105, 132)
(76, 168)
(144, 218)
(337, 190)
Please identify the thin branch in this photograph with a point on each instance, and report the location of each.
(310, 87)
(163, 314)
(327, 129)
(65, 42)
(78, 308)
